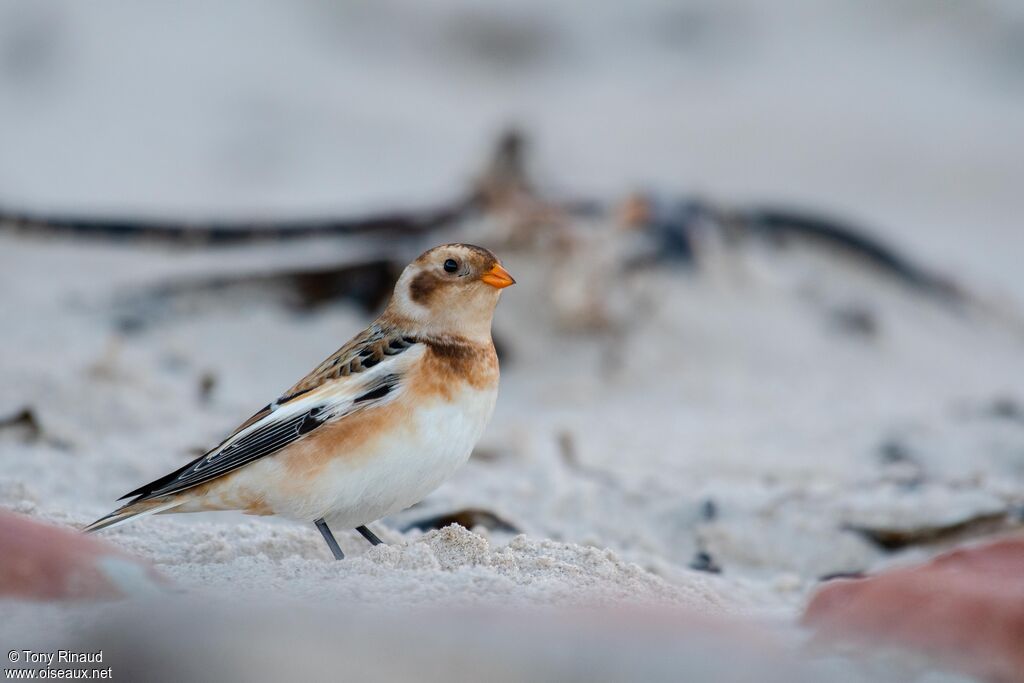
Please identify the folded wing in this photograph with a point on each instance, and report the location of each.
(367, 372)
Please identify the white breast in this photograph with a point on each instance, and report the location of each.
(401, 469)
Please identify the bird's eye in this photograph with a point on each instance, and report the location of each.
(451, 265)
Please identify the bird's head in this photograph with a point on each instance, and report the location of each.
(450, 289)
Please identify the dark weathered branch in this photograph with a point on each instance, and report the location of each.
(781, 224)
(504, 186)
(216, 233)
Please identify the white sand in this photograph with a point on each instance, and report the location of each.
(735, 391)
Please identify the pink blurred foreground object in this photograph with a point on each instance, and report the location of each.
(965, 607)
(44, 562)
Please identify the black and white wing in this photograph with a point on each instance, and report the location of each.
(366, 372)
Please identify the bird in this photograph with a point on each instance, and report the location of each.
(375, 427)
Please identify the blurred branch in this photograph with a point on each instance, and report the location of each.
(674, 226)
(782, 224)
(504, 188)
(227, 232)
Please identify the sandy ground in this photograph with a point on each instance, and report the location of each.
(728, 412)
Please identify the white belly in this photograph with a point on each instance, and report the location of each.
(401, 470)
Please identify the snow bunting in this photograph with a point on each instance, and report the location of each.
(375, 427)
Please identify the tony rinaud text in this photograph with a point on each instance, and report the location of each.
(61, 657)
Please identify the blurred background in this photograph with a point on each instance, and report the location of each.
(768, 323)
(903, 114)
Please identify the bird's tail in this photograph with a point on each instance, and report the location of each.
(132, 510)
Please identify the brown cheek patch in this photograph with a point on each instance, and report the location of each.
(423, 287)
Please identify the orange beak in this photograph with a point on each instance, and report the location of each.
(498, 277)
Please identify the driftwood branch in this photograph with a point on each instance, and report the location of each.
(216, 233)
(782, 224)
(505, 186)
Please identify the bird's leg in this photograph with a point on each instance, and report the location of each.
(329, 537)
(369, 535)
